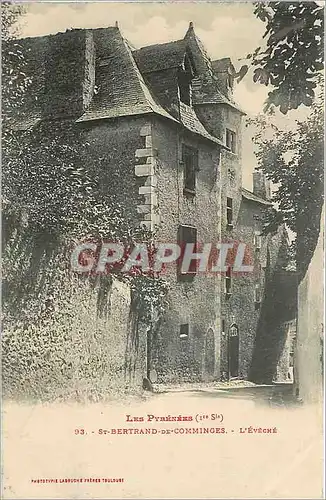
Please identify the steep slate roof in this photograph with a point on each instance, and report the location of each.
(222, 64)
(205, 91)
(170, 55)
(160, 56)
(205, 85)
(190, 120)
(201, 57)
(253, 197)
(121, 88)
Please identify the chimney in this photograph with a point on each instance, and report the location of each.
(261, 185)
(224, 72)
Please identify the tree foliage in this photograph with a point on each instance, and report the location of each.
(294, 52)
(291, 62)
(293, 160)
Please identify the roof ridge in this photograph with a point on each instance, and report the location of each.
(179, 40)
(68, 30)
(255, 197)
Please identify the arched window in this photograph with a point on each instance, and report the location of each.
(234, 330)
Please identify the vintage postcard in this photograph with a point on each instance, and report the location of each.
(162, 250)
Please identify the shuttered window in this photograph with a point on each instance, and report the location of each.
(190, 167)
(231, 140)
(229, 212)
(228, 282)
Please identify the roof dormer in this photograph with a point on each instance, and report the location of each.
(185, 75)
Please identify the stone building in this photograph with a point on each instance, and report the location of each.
(165, 114)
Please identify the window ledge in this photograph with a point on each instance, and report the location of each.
(229, 226)
(189, 192)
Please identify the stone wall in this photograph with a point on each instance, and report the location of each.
(164, 85)
(117, 148)
(84, 347)
(217, 118)
(90, 344)
(241, 307)
(309, 351)
(142, 158)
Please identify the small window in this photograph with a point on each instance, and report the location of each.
(229, 212)
(257, 241)
(231, 140)
(223, 326)
(228, 281)
(257, 294)
(184, 331)
(187, 234)
(190, 167)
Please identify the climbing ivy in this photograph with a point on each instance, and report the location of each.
(53, 197)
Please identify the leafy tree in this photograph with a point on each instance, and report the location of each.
(294, 52)
(291, 62)
(294, 162)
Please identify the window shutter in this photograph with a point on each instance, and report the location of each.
(230, 140)
(228, 281)
(190, 166)
(187, 234)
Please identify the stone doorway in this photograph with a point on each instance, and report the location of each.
(233, 351)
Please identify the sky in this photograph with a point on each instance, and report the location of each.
(226, 29)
